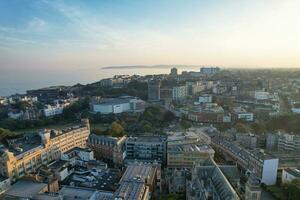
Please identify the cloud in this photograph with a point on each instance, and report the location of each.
(37, 24)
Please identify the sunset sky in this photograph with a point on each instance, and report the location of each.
(77, 34)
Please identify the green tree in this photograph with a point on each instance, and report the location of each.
(116, 129)
(185, 124)
(241, 128)
(292, 189)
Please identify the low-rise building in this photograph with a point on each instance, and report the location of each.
(289, 174)
(4, 184)
(117, 105)
(240, 113)
(253, 190)
(206, 113)
(138, 182)
(205, 98)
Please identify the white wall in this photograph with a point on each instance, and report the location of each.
(269, 172)
(287, 177)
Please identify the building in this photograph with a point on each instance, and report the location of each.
(166, 94)
(288, 142)
(264, 166)
(289, 175)
(185, 156)
(117, 105)
(179, 93)
(261, 95)
(240, 113)
(49, 93)
(25, 189)
(205, 98)
(4, 184)
(186, 149)
(52, 110)
(209, 70)
(209, 182)
(247, 140)
(138, 182)
(146, 148)
(173, 72)
(206, 113)
(194, 87)
(107, 147)
(24, 155)
(253, 190)
(154, 91)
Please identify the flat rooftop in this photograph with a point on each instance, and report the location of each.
(24, 143)
(138, 173)
(191, 148)
(77, 193)
(114, 101)
(25, 189)
(147, 139)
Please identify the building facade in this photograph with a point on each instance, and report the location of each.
(146, 148)
(25, 155)
(107, 147)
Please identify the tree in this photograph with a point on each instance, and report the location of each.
(116, 129)
(241, 128)
(292, 189)
(168, 116)
(6, 134)
(185, 124)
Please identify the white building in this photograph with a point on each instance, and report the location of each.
(179, 92)
(264, 166)
(241, 113)
(206, 98)
(289, 174)
(52, 110)
(118, 105)
(261, 95)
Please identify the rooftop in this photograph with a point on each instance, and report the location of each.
(114, 101)
(147, 139)
(70, 193)
(294, 172)
(25, 189)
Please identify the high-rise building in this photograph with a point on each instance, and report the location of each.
(154, 91)
(179, 92)
(173, 71)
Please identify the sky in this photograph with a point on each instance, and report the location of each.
(55, 35)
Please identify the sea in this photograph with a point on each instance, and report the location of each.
(18, 82)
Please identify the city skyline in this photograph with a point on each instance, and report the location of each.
(68, 35)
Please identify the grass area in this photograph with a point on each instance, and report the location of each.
(276, 191)
(100, 126)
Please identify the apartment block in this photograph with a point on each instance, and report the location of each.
(25, 155)
(146, 148)
(107, 147)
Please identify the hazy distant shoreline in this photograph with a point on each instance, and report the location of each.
(150, 66)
